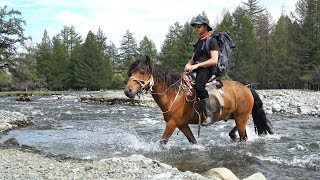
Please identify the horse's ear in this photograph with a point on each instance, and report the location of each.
(148, 60)
(133, 59)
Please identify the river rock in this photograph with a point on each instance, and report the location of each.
(222, 173)
(303, 110)
(256, 176)
(5, 126)
(276, 107)
(10, 120)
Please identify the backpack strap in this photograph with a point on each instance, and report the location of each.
(208, 45)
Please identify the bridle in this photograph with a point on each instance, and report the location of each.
(144, 83)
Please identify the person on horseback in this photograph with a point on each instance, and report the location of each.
(203, 64)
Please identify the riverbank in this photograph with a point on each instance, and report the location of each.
(24, 164)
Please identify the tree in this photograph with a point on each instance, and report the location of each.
(308, 12)
(264, 28)
(43, 59)
(147, 47)
(70, 38)
(245, 56)
(11, 32)
(128, 50)
(253, 9)
(283, 62)
(58, 67)
(177, 48)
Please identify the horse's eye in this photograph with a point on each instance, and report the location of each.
(142, 72)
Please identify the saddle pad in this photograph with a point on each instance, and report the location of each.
(216, 99)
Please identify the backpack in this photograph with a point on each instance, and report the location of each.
(226, 47)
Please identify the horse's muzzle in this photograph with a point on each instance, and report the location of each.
(129, 92)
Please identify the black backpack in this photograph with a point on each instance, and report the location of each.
(226, 47)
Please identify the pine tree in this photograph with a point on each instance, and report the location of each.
(253, 9)
(264, 28)
(11, 32)
(70, 38)
(43, 59)
(128, 50)
(283, 64)
(309, 18)
(245, 57)
(147, 47)
(58, 68)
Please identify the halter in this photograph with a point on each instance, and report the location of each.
(143, 83)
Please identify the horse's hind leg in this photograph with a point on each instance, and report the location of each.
(232, 133)
(241, 123)
(188, 133)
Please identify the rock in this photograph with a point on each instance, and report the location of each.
(256, 176)
(4, 126)
(222, 173)
(303, 110)
(276, 107)
(166, 175)
(23, 97)
(11, 142)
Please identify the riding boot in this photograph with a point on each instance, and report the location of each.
(205, 104)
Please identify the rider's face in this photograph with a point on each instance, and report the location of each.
(200, 29)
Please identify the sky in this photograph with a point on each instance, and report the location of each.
(151, 18)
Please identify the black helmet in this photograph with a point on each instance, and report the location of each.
(201, 20)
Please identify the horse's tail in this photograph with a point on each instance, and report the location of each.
(260, 121)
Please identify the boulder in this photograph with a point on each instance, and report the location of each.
(5, 126)
(303, 110)
(276, 107)
(256, 176)
(222, 173)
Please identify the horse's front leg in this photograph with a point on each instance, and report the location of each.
(188, 133)
(170, 127)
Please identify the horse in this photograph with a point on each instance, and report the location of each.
(179, 109)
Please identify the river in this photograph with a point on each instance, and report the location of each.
(73, 129)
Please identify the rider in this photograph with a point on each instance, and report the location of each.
(203, 64)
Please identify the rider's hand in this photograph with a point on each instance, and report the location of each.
(188, 68)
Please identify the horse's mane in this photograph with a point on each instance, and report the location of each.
(159, 73)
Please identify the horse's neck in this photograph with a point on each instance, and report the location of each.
(161, 95)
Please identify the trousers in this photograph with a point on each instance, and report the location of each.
(202, 77)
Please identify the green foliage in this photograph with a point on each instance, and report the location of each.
(118, 81)
(245, 56)
(147, 47)
(11, 32)
(253, 9)
(5, 78)
(177, 48)
(128, 51)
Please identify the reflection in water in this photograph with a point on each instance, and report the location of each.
(69, 128)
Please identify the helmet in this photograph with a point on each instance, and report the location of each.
(201, 20)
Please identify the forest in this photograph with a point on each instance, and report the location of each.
(269, 54)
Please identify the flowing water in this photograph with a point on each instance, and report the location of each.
(78, 130)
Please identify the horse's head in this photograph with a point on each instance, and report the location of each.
(140, 77)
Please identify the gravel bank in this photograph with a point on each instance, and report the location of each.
(17, 164)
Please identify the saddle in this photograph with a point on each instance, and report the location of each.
(214, 88)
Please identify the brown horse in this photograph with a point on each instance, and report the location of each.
(180, 110)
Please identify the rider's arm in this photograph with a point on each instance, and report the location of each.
(210, 62)
(188, 66)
